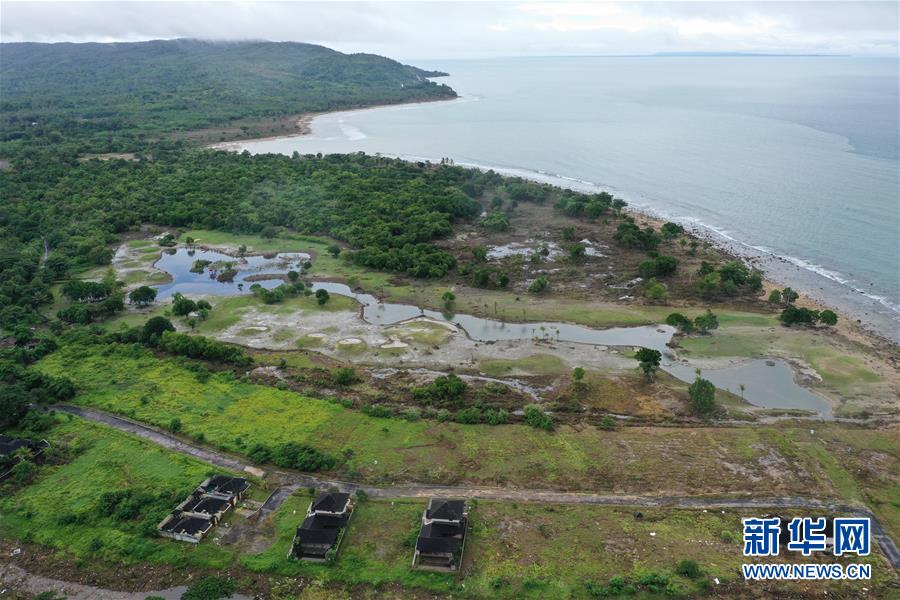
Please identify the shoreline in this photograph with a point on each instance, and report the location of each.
(853, 323)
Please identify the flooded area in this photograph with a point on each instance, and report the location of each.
(223, 275)
(768, 383)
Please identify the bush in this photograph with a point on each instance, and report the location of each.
(446, 389)
(541, 284)
(301, 457)
(607, 423)
(536, 417)
(496, 221)
(345, 376)
(688, 568)
(680, 322)
(210, 588)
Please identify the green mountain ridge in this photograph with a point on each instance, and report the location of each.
(92, 89)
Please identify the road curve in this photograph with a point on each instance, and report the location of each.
(291, 481)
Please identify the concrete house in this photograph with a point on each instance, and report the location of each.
(441, 540)
(185, 527)
(204, 508)
(319, 536)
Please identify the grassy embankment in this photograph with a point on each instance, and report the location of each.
(233, 415)
(514, 550)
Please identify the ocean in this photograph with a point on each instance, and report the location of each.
(791, 161)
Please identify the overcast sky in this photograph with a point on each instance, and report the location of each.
(421, 30)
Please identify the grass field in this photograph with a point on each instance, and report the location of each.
(233, 414)
(60, 508)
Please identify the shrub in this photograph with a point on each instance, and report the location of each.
(443, 390)
(688, 568)
(607, 423)
(828, 317)
(541, 284)
(210, 588)
(468, 416)
(536, 417)
(301, 457)
(496, 221)
(680, 322)
(345, 376)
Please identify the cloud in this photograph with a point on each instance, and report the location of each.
(410, 30)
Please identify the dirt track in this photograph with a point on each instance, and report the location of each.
(292, 481)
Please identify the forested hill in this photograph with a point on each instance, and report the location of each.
(112, 96)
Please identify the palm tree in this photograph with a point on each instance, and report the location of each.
(743, 387)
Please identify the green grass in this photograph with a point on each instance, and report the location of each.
(233, 415)
(536, 364)
(106, 460)
(373, 550)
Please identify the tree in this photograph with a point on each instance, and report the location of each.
(578, 374)
(154, 328)
(648, 360)
(656, 291)
(775, 297)
(181, 305)
(448, 297)
(789, 296)
(293, 276)
(479, 254)
(828, 317)
(334, 250)
(703, 395)
(802, 315)
(142, 296)
(706, 322)
(681, 322)
(322, 296)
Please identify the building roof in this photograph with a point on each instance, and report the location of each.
(225, 484)
(317, 536)
(334, 502)
(445, 510)
(187, 525)
(9, 445)
(428, 545)
(207, 504)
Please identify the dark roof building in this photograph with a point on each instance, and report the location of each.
(440, 509)
(441, 540)
(187, 528)
(225, 485)
(9, 445)
(334, 503)
(322, 529)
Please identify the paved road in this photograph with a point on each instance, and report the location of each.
(291, 481)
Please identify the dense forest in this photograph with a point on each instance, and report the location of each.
(115, 97)
(388, 211)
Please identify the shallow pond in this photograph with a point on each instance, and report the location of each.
(178, 264)
(768, 383)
